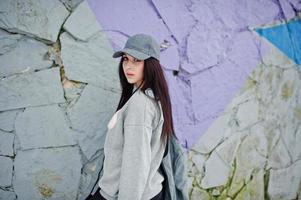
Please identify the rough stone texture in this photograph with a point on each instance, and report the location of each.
(250, 107)
(21, 54)
(31, 89)
(285, 183)
(6, 171)
(215, 135)
(49, 122)
(51, 173)
(41, 18)
(6, 143)
(82, 17)
(227, 84)
(253, 189)
(217, 172)
(142, 17)
(259, 137)
(7, 195)
(7, 120)
(90, 115)
(180, 14)
(93, 62)
(71, 4)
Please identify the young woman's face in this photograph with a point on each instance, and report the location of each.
(133, 69)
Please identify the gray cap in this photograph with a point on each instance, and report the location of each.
(140, 46)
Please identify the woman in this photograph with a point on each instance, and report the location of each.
(138, 131)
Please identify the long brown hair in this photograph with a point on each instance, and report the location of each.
(153, 78)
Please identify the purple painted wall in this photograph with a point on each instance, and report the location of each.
(212, 44)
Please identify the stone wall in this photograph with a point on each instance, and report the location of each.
(233, 69)
(58, 90)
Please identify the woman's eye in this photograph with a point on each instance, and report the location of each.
(136, 60)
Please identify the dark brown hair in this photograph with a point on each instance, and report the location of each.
(153, 78)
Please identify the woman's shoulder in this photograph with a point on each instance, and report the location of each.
(141, 99)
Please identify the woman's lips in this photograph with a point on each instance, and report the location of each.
(129, 74)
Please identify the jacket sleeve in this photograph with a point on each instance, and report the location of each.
(135, 162)
(136, 158)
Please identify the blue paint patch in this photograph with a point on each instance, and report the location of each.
(286, 37)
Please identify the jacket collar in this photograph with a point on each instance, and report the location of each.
(148, 91)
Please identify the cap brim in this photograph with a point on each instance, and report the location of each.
(137, 54)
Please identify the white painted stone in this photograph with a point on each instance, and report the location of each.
(214, 135)
(6, 143)
(199, 162)
(240, 98)
(285, 183)
(248, 159)
(228, 148)
(90, 116)
(31, 89)
(279, 157)
(198, 194)
(247, 114)
(21, 54)
(43, 126)
(82, 23)
(277, 58)
(254, 189)
(47, 173)
(7, 120)
(269, 78)
(41, 18)
(259, 134)
(216, 172)
(93, 62)
(71, 4)
(6, 171)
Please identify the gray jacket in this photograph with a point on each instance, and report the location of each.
(174, 169)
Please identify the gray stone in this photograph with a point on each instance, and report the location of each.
(90, 115)
(21, 54)
(93, 62)
(82, 23)
(31, 89)
(6, 143)
(285, 183)
(8, 41)
(47, 173)
(40, 18)
(6, 171)
(72, 90)
(43, 126)
(216, 172)
(7, 195)
(90, 177)
(7, 120)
